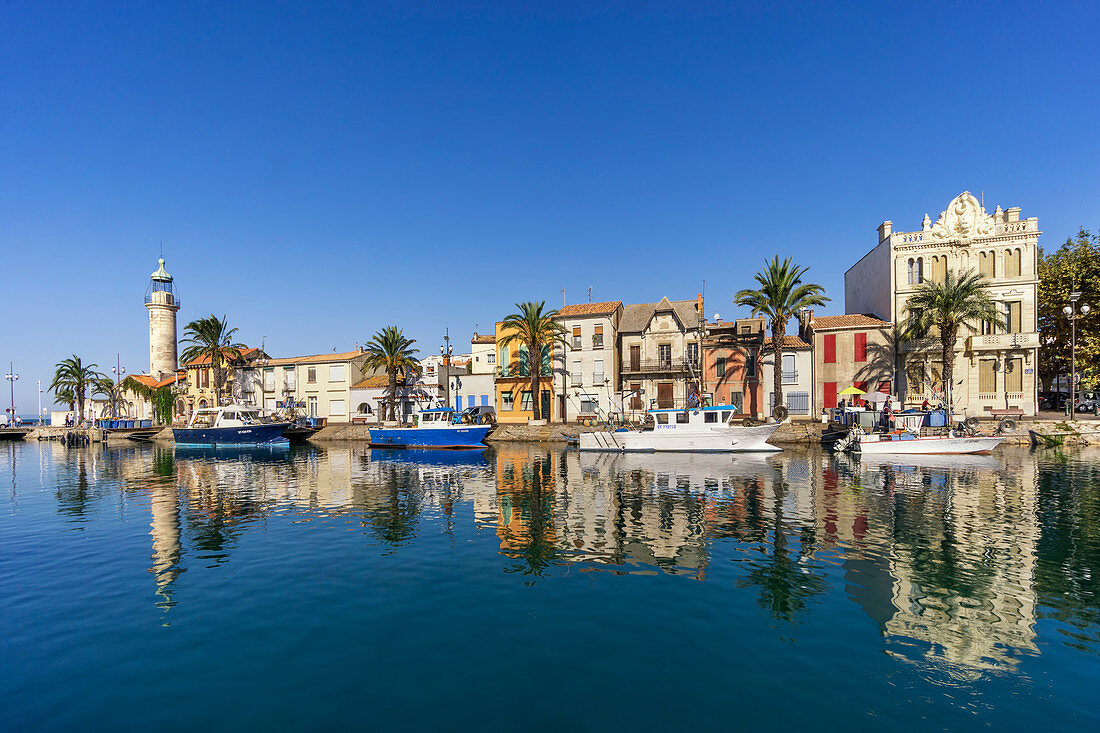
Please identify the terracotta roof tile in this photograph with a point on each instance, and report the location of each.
(849, 320)
(314, 358)
(789, 342)
(484, 338)
(205, 358)
(590, 309)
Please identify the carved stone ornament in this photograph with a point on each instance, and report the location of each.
(963, 219)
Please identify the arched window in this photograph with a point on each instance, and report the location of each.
(920, 270)
(912, 271)
(1012, 263)
(364, 408)
(987, 264)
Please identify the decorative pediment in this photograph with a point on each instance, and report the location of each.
(963, 219)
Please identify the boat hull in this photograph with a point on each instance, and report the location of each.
(262, 434)
(928, 446)
(459, 436)
(725, 439)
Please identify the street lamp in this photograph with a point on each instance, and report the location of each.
(11, 376)
(1073, 312)
(445, 352)
(118, 370)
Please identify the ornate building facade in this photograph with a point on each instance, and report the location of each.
(995, 368)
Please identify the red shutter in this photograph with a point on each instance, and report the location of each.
(863, 386)
(830, 350)
(884, 387)
(830, 393)
(861, 347)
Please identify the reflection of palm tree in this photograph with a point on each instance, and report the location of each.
(537, 506)
(786, 583)
(395, 518)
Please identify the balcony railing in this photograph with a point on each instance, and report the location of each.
(998, 341)
(656, 365)
(790, 377)
(170, 299)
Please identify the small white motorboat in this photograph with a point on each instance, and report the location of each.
(907, 442)
(697, 429)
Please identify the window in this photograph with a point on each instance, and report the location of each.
(987, 327)
(915, 376)
(336, 373)
(506, 402)
(504, 362)
(710, 417)
(597, 371)
(830, 348)
(858, 399)
(750, 365)
(635, 396)
(861, 347)
(790, 371)
(312, 406)
(526, 404)
(576, 337)
(986, 264)
(311, 375)
(664, 355)
(726, 415)
(589, 404)
(1012, 316)
(290, 377)
(336, 407)
(524, 362)
(915, 268)
(575, 372)
(269, 379)
(938, 271)
(662, 418)
(830, 394)
(987, 376)
(490, 358)
(693, 353)
(203, 378)
(597, 338)
(1014, 375)
(682, 418)
(720, 367)
(1012, 263)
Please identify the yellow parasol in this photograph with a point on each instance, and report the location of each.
(852, 390)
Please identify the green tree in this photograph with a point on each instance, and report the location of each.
(71, 380)
(536, 329)
(1074, 265)
(942, 309)
(162, 399)
(103, 385)
(391, 351)
(780, 296)
(212, 338)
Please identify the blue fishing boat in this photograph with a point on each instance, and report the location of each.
(231, 425)
(434, 428)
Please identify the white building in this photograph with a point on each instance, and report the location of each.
(994, 368)
(588, 380)
(798, 376)
(318, 385)
(473, 384)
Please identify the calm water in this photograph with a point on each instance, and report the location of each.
(535, 589)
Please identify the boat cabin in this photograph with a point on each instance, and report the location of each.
(229, 416)
(435, 417)
(691, 418)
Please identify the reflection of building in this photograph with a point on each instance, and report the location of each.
(994, 367)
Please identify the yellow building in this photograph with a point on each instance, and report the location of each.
(514, 401)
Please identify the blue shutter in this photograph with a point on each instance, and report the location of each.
(485, 400)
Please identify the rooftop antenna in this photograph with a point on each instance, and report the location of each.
(589, 293)
(563, 297)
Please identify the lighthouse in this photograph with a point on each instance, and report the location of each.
(162, 304)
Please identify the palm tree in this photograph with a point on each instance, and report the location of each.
(781, 295)
(391, 351)
(103, 385)
(539, 332)
(212, 338)
(942, 308)
(71, 380)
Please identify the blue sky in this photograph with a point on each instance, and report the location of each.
(317, 171)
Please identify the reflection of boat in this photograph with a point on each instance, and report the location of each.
(269, 452)
(948, 461)
(908, 443)
(435, 428)
(472, 458)
(229, 426)
(700, 469)
(707, 429)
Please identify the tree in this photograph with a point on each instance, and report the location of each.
(391, 351)
(71, 380)
(162, 399)
(1074, 265)
(212, 338)
(941, 309)
(539, 332)
(103, 385)
(781, 295)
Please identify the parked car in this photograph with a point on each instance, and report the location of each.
(1052, 400)
(479, 415)
(1086, 402)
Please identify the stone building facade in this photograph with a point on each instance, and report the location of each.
(588, 376)
(994, 368)
(162, 304)
(659, 353)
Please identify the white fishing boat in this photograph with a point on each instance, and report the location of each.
(706, 429)
(907, 442)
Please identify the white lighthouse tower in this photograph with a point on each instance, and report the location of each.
(162, 304)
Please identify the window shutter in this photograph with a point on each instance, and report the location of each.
(861, 347)
(830, 348)
(830, 394)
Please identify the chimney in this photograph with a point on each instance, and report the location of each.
(699, 305)
(884, 230)
(1012, 213)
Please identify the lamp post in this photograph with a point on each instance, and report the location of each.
(445, 367)
(40, 403)
(118, 370)
(11, 376)
(1073, 312)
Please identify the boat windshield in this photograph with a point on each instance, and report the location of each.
(204, 419)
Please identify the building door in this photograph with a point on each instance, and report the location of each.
(544, 404)
(636, 395)
(312, 402)
(635, 358)
(664, 395)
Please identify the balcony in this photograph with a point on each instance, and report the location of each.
(169, 299)
(656, 366)
(1003, 341)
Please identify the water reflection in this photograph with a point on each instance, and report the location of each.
(954, 559)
